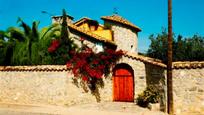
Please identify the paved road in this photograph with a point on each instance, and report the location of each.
(109, 108)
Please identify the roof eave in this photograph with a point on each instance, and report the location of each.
(133, 27)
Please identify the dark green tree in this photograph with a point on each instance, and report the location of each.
(66, 44)
(184, 49)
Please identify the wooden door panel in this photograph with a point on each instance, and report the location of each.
(116, 88)
(123, 85)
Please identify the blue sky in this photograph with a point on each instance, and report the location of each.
(149, 15)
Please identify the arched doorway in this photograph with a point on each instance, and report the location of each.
(123, 83)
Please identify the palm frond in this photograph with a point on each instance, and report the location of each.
(16, 33)
(35, 34)
(26, 28)
(48, 32)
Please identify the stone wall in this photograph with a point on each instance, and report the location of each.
(188, 90)
(57, 87)
(125, 38)
(155, 76)
(76, 37)
(51, 87)
(139, 74)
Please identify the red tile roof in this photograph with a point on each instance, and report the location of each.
(188, 65)
(119, 19)
(175, 65)
(58, 68)
(35, 68)
(144, 59)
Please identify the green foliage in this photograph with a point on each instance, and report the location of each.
(66, 44)
(184, 49)
(26, 45)
(150, 95)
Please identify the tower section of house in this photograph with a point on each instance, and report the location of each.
(125, 34)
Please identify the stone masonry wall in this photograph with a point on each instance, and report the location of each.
(56, 88)
(188, 90)
(139, 74)
(155, 76)
(77, 41)
(125, 38)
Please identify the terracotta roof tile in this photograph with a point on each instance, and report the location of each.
(44, 68)
(188, 65)
(81, 20)
(144, 59)
(175, 65)
(121, 20)
(95, 36)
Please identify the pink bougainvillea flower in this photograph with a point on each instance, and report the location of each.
(55, 43)
(87, 64)
(51, 49)
(69, 65)
(95, 62)
(85, 78)
(101, 67)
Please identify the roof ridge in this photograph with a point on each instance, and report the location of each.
(120, 19)
(157, 62)
(188, 64)
(81, 19)
(145, 59)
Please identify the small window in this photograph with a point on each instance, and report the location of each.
(99, 47)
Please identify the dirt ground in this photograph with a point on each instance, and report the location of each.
(108, 108)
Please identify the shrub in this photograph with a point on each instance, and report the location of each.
(150, 95)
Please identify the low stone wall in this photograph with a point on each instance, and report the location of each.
(46, 87)
(54, 85)
(188, 90)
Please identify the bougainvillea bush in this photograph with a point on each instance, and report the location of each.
(87, 66)
(59, 51)
(90, 67)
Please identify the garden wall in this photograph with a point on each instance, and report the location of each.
(54, 85)
(45, 85)
(188, 86)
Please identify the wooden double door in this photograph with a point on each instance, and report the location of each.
(123, 85)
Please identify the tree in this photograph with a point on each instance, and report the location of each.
(158, 46)
(2, 48)
(184, 49)
(28, 46)
(60, 47)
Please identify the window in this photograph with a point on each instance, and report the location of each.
(99, 47)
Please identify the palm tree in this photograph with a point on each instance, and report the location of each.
(2, 48)
(169, 62)
(28, 42)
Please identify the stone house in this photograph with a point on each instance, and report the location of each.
(116, 33)
(129, 76)
(133, 73)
